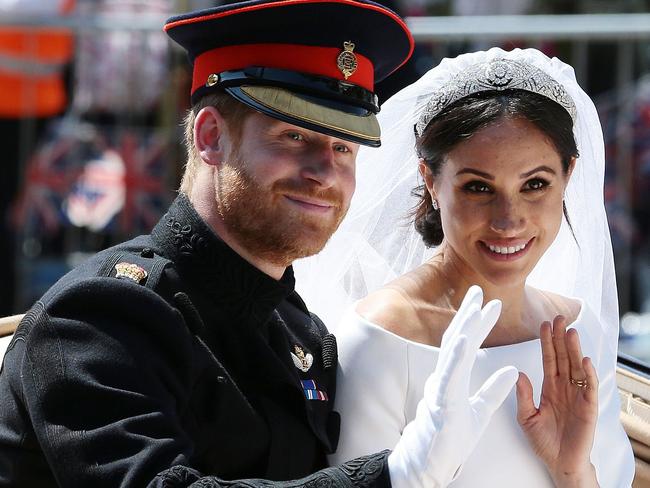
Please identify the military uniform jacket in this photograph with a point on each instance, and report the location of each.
(204, 372)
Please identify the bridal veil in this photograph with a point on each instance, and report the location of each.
(376, 242)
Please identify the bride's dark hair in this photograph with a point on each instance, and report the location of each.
(460, 120)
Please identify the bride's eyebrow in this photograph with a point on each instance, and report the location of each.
(488, 176)
(539, 168)
(476, 172)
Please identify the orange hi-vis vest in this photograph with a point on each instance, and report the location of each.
(31, 69)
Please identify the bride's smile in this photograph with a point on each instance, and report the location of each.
(505, 250)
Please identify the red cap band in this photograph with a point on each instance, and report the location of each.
(303, 59)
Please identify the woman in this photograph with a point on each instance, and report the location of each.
(509, 205)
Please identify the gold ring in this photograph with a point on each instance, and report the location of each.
(579, 383)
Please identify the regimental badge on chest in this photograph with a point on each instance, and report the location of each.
(130, 271)
(301, 360)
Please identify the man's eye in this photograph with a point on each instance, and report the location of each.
(296, 136)
(477, 187)
(536, 184)
(341, 148)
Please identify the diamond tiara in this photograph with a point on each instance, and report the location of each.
(498, 74)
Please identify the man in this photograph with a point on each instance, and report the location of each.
(185, 357)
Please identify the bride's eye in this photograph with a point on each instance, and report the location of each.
(535, 184)
(477, 187)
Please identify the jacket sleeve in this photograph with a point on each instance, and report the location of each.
(106, 371)
(364, 472)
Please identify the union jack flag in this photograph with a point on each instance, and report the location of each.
(55, 176)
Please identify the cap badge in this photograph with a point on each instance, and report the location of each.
(346, 60)
(301, 360)
(130, 271)
(213, 79)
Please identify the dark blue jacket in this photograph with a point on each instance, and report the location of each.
(192, 375)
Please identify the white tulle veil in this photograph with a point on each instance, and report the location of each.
(376, 242)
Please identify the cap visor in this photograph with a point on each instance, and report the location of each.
(285, 105)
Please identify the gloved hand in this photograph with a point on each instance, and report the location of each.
(448, 422)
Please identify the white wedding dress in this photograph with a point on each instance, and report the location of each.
(381, 380)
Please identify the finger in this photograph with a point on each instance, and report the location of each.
(575, 355)
(525, 404)
(559, 342)
(549, 362)
(478, 327)
(474, 295)
(472, 301)
(489, 316)
(492, 394)
(461, 323)
(472, 327)
(591, 392)
(477, 324)
(443, 385)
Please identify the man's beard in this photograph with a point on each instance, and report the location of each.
(265, 224)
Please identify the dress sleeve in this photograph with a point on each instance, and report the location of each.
(612, 453)
(372, 384)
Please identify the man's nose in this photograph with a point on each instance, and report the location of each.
(507, 215)
(321, 167)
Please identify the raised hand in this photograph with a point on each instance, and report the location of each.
(561, 430)
(448, 422)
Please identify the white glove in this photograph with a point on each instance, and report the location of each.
(449, 423)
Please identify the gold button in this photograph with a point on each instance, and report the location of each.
(213, 79)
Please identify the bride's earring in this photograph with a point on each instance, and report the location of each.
(434, 204)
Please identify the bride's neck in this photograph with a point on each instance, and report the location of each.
(458, 277)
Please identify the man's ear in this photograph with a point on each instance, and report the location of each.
(211, 137)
